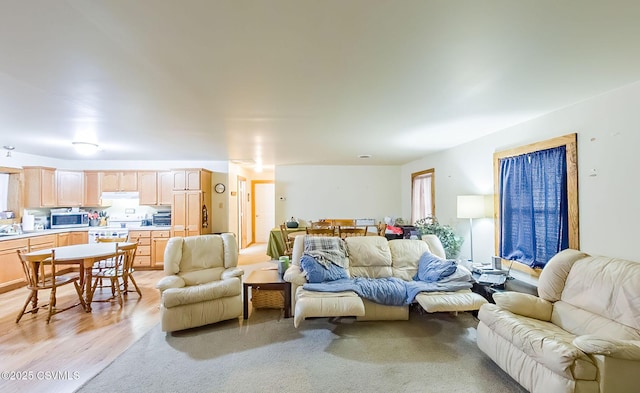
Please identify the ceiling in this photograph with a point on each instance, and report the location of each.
(298, 82)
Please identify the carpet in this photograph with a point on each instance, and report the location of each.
(428, 353)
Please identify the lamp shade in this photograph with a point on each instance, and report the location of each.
(474, 206)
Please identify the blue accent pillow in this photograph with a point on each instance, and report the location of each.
(316, 273)
(432, 268)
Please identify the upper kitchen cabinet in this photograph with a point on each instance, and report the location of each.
(191, 179)
(70, 188)
(114, 181)
(165, 188)
(39, 187)
(92, 189)
(148, 187)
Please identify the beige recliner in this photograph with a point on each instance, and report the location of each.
(203, 283)
(581, 335)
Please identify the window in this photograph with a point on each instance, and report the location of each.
(536, 201)
(423, 195)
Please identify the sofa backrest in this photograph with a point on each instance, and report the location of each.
(369, 256)
(377, 257)
(200, 258)
(405, 254)
(593, 294)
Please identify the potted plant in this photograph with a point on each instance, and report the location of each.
(450, 241)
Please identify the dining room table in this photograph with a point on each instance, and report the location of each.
(85, 256)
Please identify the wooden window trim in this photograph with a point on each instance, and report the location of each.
(432, 172)
(571, 143)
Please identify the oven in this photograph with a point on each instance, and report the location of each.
(107, 233)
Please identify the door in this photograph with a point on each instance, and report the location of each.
(264, 210)
(242, 207)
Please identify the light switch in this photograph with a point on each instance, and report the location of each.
(220, 205)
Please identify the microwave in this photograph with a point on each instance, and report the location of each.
(69, 220)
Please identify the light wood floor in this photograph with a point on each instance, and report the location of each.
(76, 345)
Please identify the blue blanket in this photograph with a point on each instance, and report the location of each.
(389, 291)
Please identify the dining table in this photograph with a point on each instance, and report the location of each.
(275, 245)
(85, 256)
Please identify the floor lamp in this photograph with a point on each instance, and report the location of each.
(473, 206)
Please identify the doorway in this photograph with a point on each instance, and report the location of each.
(263, 206)
(242, 208)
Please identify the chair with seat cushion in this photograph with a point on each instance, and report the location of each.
(40, 273)
(203, 284)
(119, 274)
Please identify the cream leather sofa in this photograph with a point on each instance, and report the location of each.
(582, 334)
(203, 283)
(374, 257)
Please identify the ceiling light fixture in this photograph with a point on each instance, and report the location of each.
(85, 148)
(9, 149)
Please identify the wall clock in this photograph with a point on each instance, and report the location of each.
(220, 188)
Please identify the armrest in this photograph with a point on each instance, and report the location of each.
(232, 272)
(621, 349)
(524, 304)
(170, 282)
(295, 275)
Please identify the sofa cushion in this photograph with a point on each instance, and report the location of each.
(173, 297)
(197, 277)
(463, 300)
(405, 254)
(315, 272)
(545, 342)
(618, 281)
(369, 256)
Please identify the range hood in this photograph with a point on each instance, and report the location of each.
(120, 195)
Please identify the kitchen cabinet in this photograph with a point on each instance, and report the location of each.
(71, 238)
(165, 188)
(148, 187)
(114, 181)
(39, 187)
(92, 189)
(159, 241)
(191, 206)
(42, 242)
(143, 252)
(188, 213)
(11, 274)
(191, 179)
(70, 188)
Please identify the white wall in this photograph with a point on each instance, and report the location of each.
(314, 192)
(608, 140)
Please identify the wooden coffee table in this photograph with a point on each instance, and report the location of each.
(267, 280)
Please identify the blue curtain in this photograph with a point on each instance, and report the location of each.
(533, 206)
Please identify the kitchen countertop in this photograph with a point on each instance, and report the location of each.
(83, 229)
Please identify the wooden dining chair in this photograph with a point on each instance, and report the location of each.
(344, 223)
(287, 243)
(119, 275)
(321, 231)
(40, 273)
(352, 231)
(108, 263)
(321, 224)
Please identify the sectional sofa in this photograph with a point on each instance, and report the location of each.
(374, 257)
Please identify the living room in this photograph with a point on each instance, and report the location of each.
(593, 94)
